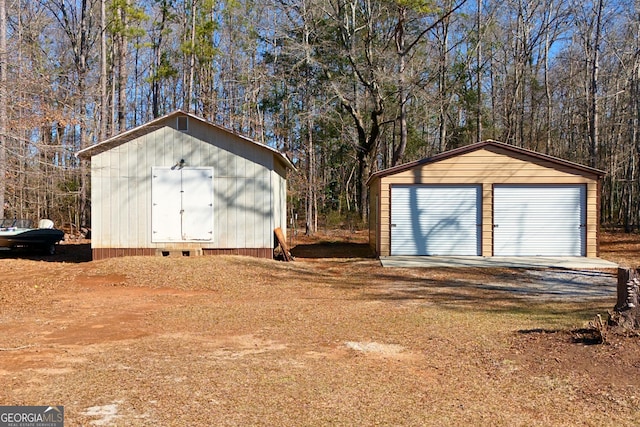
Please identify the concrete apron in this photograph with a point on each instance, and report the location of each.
(571, 263)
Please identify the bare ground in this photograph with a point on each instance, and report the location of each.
(330, 339)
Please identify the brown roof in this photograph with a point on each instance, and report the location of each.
(486, 144)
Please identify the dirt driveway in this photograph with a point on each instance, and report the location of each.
(560, 285)
(320, 341)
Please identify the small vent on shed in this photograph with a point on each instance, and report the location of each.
(183, 123)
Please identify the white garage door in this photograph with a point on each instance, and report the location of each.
(435, 220)
(539, 220)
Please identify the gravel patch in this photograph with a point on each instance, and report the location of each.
(374, 347)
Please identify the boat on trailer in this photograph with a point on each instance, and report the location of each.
(20, 233)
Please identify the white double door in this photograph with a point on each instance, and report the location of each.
(182, 204)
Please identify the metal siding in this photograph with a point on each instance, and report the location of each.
(117, 200)
(256, 211)
(226, 163)
(246, 211)
(267, 214)
(99, 206)
(237, 214)
(141, 187)
(256, 221)
(112, 198)
(276, 197)
(243, 199)
(224, 213)
(278, 205)
(126, 208)
(283, 207)
(435, 220)
(539, 220)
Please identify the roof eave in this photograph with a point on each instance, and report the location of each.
(88, 151)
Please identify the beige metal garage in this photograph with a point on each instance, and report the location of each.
(486, 199)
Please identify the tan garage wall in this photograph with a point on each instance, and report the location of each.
(493, 164)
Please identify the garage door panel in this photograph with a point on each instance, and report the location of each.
(435, 220)
(539, 220)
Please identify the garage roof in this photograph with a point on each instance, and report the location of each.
(155, 124)
(488, 144)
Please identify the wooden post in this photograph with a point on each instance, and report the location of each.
(283, 244)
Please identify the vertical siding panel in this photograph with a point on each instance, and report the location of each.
(274, 203)
(193, 151)
(487, 219)
(283, 205)
(222, 210)
(279, 196)
(126, 206)
(263, 233)
(237, 215)
(114, 197)
(170, 157)
(255, 237)
(142, 183)
(98, 202)
(252, 205)
(385, 217)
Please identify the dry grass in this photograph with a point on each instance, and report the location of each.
(321, 341)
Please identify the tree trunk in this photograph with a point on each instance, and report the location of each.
(479, 74)
(3, 103)
(104, 98)
(626, 313)
(192, 59)
(593, 90)
(398, 153)
(122, 71)
(310, 226)
(444, 97)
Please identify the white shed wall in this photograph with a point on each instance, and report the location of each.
(249, 190)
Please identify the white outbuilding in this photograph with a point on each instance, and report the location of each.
(182, 185)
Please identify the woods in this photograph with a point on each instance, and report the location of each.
(343, 87)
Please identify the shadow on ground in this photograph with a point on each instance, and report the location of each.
(72, 253)
(332, 250)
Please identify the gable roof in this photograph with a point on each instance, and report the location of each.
(483, 145)
(155, 124)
